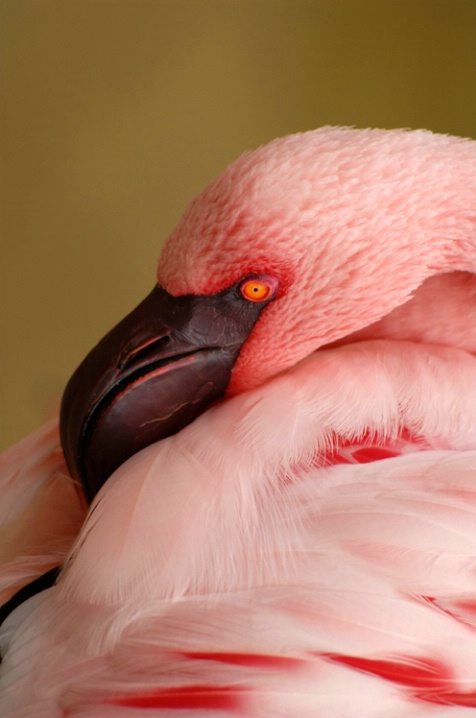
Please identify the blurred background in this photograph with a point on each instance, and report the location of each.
(115, 113)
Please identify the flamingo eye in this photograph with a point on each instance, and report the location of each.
(259, 289)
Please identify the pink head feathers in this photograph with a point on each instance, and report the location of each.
(351, 222)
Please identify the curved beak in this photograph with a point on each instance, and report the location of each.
(150, 376)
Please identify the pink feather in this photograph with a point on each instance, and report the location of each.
(307, 546)
(41, 510)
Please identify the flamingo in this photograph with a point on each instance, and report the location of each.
(265, 505)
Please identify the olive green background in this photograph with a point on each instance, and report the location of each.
(116, 112)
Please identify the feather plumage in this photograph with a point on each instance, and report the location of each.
(41, 509)
(307, 547)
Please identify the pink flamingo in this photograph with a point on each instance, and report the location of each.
(305, 546)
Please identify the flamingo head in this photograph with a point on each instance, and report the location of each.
(297, 245)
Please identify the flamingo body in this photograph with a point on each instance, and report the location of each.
(306, 547)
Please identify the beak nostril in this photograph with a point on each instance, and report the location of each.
(143, 351)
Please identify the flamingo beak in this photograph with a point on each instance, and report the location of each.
(150, 376)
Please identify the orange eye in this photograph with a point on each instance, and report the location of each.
(258, 289)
